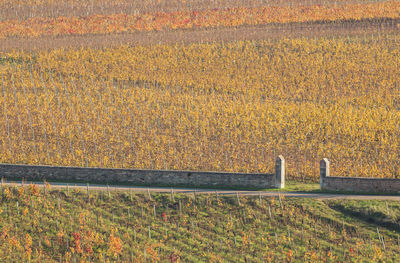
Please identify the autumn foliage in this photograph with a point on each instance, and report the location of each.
(225, 107)
(71, 226)
(230, 17)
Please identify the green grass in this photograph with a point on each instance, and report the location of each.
(123, 226)
(293, 186)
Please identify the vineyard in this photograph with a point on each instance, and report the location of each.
(199, 85)
(224, 106)
(47, 225)
(210, 106)
(232, 17)
(20, 10)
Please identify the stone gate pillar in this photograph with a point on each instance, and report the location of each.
(323, 171)
(280, 172)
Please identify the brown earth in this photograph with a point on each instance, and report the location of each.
(350, 28)
(78, 8)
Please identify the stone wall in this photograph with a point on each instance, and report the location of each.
(356, 184)
(144, 177)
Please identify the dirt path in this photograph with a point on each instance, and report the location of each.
(275, 31)
(322, 196)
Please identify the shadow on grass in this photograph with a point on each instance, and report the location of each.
(376, 218)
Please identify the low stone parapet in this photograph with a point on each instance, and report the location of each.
(146, 177)
(356, 184)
